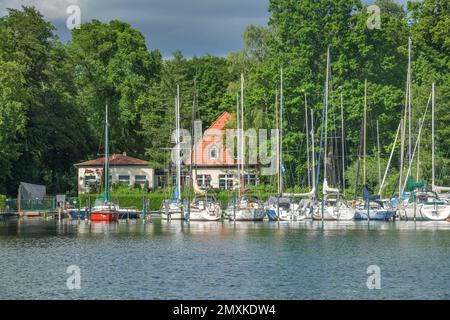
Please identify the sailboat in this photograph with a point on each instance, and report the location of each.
(244, 207)
(104, 209)
(333, 206)
(204, 206)
(423, 203)
(173, 209)
(284, 207)
(373, 208)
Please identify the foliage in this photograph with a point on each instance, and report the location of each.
(2, 202)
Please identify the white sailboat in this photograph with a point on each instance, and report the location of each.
(285, 207)
(243, 208)
(425, 204)
(173, 209)
(204, 206)
(333, 206)
(372, 207)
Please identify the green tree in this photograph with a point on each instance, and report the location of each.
(114, 67)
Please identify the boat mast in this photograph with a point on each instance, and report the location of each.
(409, 101)
(379, 159)
(307, 141)
(326, 118)
(365, 132)
(421, 122)
(402, 146)
(106, 173)
(432, 139)
(277, 123)
(238, 124)
(177, 141)
(242, 135)
(281, 131)
(191, 177)
(389, 162)
(342, 143)
(312, 151)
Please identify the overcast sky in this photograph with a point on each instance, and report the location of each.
(196, 27)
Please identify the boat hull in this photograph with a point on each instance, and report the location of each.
(241, 214)
(75, 214)
(173, 211)
(211, 213)
(203, 216)
(283, 216)
(425, 212)
(378, 215)
(333, 214)
(109, 216)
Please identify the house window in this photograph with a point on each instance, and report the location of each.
(214, 153)
(226, 181)
(89, 181)
(124, 180)
(140, 179)
(204, 180)
(250, 179)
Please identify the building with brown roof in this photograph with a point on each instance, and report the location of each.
(123, 169)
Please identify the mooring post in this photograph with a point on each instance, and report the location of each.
(234, 209)
(278, 207)
(323, 204)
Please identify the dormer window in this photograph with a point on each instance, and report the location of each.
(214, 153)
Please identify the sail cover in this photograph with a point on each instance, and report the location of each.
(412, 184)
(30, 191)
(367, 195)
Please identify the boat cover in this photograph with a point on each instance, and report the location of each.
(30, 191)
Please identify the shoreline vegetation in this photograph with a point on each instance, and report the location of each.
(52, 95)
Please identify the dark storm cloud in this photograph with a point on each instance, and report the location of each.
(195, 27)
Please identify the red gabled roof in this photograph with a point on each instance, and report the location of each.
(202, 147)
(114, 160)
(221, 121)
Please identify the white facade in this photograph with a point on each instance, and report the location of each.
(222, 178)
(129, 175)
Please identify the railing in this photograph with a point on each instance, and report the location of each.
(44, 204)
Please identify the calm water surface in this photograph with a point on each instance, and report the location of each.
(223, 260)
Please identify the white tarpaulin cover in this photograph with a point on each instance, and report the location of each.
(30, 191)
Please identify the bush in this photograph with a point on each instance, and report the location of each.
(129, 201)
(2, 202)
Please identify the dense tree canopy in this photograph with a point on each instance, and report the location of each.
(53, 95)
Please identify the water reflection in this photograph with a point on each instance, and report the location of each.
(221, 260)
(45, 227)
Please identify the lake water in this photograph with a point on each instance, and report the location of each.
(224, 260)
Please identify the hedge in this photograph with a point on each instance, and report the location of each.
(2, 202)
(133, 198)
(130, 201)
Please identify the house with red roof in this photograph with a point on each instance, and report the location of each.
(123, 169)
(214, 165)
